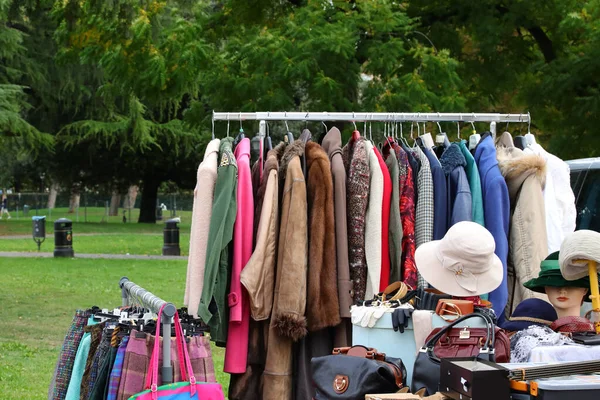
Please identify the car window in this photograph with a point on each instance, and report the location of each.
(588, 201)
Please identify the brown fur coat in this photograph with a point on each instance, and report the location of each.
(322, 308)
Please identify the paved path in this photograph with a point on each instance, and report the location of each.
(85, 234)
(80, 255)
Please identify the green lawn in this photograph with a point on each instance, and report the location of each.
(117, 243)
(22, 225)
(39, 298)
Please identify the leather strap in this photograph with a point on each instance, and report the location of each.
(360, 351)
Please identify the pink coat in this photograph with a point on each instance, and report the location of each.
(236, 352)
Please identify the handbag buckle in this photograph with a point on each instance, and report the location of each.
(464, 334)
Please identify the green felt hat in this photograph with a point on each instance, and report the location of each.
(550, 276)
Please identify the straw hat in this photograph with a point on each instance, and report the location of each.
(463, 263)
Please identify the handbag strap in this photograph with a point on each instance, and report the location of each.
(186, 356)
(151, 380)
(428, 347)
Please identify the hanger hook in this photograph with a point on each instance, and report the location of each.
(412, 124)
(227, 124)
(458, 130)
(285, 120)
(473, 126)
(324, 126)
(241, 127)
(528, 122)
(213, 126)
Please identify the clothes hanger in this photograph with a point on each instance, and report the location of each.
(241, 135)
(441, 138)
(355, 134)
(529, 137)
(474, 138)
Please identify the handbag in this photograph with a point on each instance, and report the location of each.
(489, 343)
(188, 389)
(352, 372)
(450, 309)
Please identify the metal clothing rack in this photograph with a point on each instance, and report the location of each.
(153, 303)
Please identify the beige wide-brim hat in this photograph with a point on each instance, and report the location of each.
(463, 262)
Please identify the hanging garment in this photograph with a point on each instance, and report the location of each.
(256, 181)
(496, 205)
(322, 309)
(322, 306)
(258, 277)
(415, 166)
(99, 391)
(99, 357)
(67, 355)
(212, 308)
(95, 339)
(201, 213)
(395, 221)
(236, 353)
(80, 361)
(356, 163)
(385, 223)
(332, 144)
(524, 175)
(439, 195)
(373, 224)
(457, 185)
(474, 184)
(559, 199)
(115, 373)
(407, 212)
(288, 322)
(425, 211)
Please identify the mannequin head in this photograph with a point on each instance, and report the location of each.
(566, 300)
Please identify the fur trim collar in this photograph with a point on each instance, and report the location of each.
(516, 166)
(272, 162)
(452, 158)
(295, 149)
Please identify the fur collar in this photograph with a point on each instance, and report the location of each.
(314, 153)
(293, 150)
(272, 162)
(516, 167)
(452, 158)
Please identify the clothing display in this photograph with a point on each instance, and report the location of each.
(316, 235)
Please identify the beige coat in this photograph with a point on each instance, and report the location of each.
(201, 213)
(288, 321)
(258, 277)
(524, 175)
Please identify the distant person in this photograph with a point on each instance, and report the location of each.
(4, 208)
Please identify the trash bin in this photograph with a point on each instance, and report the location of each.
(39, 230)
(171, 238)
(63, 238)
(25, 210)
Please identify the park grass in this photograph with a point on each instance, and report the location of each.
(21, 225)
(141, 243)
(39, 297)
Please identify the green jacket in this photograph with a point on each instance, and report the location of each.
(213, 307)
(474, 184)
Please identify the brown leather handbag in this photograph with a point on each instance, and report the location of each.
(353, 372)
(451, 309)
(490, 343)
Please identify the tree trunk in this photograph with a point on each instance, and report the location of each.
(52, 196)
(115, 200)
(74, 202)
(129, 201)
(148, 204)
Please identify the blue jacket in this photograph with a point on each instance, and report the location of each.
(496, 206)
(457, 185)
(440, 202)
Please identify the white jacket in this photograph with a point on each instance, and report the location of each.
(559, 198)
(373, 224)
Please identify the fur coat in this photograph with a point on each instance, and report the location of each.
(524, 175)
(356, 162)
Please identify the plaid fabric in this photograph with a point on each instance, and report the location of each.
(137, 358)
(115, 373)
(425, 210)
(99, 358)
(66, 358)
(95, 337)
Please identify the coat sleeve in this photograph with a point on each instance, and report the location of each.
(497, 217)
(462, 210)
(289, 309)
(219, 235)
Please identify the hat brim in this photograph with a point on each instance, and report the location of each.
(556, 280)
(515, 326)
(432, 270)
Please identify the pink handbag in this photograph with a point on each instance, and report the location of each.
(188, 389)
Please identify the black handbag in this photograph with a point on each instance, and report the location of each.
(352, 372)
(426, 371)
